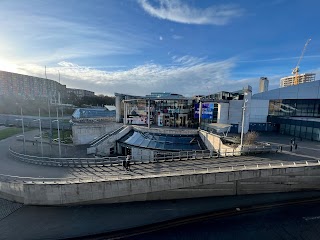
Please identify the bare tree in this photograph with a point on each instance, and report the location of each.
(250, 138)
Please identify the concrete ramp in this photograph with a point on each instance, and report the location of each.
(101, 145)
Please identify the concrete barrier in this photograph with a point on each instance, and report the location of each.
(172, 185)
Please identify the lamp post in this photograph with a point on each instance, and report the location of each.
(243, 118)
(23, 135)
(200, 114)
(40, 132)
(149, 113)
(58, 132)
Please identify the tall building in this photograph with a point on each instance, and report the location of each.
(80, 93)
(30, 87)
(263, 84)
(302, 78)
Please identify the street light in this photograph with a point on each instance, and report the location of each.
(23, 135)
(243, 118)
(58, 132)
(40, 132)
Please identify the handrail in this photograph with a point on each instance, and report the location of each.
(98, 140)
(158, 156)
(216, 169)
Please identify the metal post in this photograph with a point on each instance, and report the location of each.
(242, 124)
(200, 113)
(59, 142)
(24, 137)
(149, 113)
(40, 129)
(125, 112)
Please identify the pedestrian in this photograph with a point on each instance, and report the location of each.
(296, 146)
(280, 148)
(128, 162)
(290, 148)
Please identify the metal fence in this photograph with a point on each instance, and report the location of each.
(95, 178)
(66, 162)
(109, 161)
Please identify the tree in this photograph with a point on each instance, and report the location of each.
(250, 138)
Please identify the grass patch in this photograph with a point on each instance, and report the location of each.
(64, 135)
(8, 132)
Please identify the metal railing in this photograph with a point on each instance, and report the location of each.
(215, 169)
(109, 161)
(100, 139)
(66, 162)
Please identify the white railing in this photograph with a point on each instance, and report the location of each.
(127, 176)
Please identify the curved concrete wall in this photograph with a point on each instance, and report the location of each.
(159, 187)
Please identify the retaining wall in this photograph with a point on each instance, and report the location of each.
(155, 187)
(214, 143)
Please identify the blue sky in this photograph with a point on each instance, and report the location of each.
(139, 46)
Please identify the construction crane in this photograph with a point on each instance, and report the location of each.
(296, 70)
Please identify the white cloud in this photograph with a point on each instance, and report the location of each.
(179, 11)
(187, 60)
(176, 37)
(160, 38)
(186, 75)
(189, 77)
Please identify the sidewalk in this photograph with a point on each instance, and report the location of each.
(305, 147)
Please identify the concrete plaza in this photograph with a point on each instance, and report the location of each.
(307, 150)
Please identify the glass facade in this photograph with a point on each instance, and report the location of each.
(163, 112)
(295, 107)
(92, 113)
(163, 141)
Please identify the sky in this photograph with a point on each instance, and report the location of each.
(136, 47)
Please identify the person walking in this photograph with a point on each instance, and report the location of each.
(128, 162)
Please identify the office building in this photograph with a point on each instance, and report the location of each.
(295, 110)
(263, 84)
(30, 87)
(80, 93)
(302, 78)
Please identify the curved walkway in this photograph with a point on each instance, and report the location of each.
(9, 166)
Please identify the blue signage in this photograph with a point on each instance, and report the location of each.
(207, 110)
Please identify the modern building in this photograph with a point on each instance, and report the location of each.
(88, 114)
(30, 87)
(162, 109)
(263, 84)
(295, 110)
(80, 93)
(302, 78)
(173, 110)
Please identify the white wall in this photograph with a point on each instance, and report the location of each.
(223, 113)
(259, 111)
